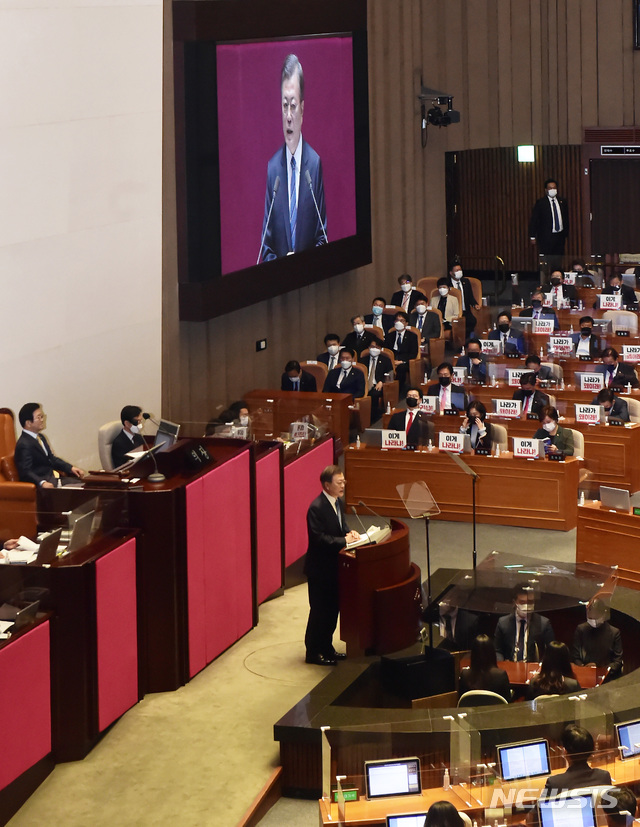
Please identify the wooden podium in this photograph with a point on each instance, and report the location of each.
(379, 595)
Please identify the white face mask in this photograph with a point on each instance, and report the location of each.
(406, 287)
(399, 326)
(457, 274)
(333, 350)
(374, 351)
(421, 308)
(244, 421)
(443, 291)
(135, 429)
(552, 193)
(594, 622)
(524, 609)
(549, 426)
(345, 364)
(358, 328)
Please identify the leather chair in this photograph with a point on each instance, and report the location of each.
(499, 436)
(362, 403)
(17, 499)
(106, 434)
(623, 320)
(481, 697)
(318, 370)
(390, 390)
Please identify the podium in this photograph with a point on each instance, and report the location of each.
(379, 595)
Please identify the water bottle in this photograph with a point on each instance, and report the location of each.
(446, 781)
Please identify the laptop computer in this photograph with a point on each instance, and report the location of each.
(526, 759)
(406, 820)
(166, 435)
(48, 548)
(616, 499)
(82, 532)
(398, 776)
(628, 735)
(567, 811)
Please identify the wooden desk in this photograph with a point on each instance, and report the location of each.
(540, 494)
(272, 411)
(609, 539)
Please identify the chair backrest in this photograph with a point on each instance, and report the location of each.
(499, 436)
(552, 400)
(578, 443)
(453, 291)
(622, 320)
(556, 370)
(318, 370)
(634, 409)
(439, 315)
(481, 697)
(363, 370)
(7, 432)
(476, 286)
(106, 434)
(377, 332)
(427, 284)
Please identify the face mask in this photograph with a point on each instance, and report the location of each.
(527, 391)
(358, 328)
(473, 415)
(345, 364)
(594, 622)
(399, 326)
(503, 328)
(536, 303)
(376, 310)
(406, 287)
(374, 351)
(556, 282)
(244, 421)
(552, 193)
(586, 331)
(606, 410)
(333, 350)
(421, 308)
(412, 402)
(445, 381)
(457, 275)
(474, 354)
(443, 291)
(549, 426)
(615, 286)
(135, 429)
(524, 609)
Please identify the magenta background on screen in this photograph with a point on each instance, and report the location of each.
(250, 132)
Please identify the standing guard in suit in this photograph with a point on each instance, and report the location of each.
(35, 461)
(522, 634)
(470, 302)
(549, 225)
(378, 366)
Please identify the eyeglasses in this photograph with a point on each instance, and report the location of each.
(289, 107)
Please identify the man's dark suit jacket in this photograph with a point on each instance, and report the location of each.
(430, 325)
(568, 291)
(326, 537)
(465, 632)
(624, 374)
(539, 400)
(477, 372)
(540, 634)
(494, 680)
(383, 366)
(415, 295)
(307, 382)
(408, 347)
(421, 430)
(387, 320)
(545, 373)
(464, 285)
(515, 340)
(602, 646)
(545, 313)
(353, 383)
(277, 240)
(627, 293)
(121, 444)
(459, 398)
(33, 464)
(358, 343)
(324, 358)
(541, 226)
(579, 775)
(594, 344)
(619, 408)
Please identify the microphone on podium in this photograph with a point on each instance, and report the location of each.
(276, 187)
(375, 513)
(148, 416)
(307, 176)
(357, 516)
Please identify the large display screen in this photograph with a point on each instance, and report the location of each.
(272, 153)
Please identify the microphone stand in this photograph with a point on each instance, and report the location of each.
(276, 185)
(307, 176)
(474, 478)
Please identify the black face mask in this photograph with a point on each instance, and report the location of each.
(445, 381)
(528, 391)
(586, 331)
(474, 354)
(412, 402)
(503, 328)
(615, 287)
(556, 282)
(536, 303)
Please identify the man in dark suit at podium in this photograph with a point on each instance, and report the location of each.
(33, 456)
(129, 437)
(328, 533)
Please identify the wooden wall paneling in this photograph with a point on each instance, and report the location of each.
(395, 106)
(376, 128)
(478, 60)
(493, 75)
(417, 10)
(610, 46)
(573, 73)
(525, 70)
(561, 56)
(504, 86)
(409, 127)
(550, 47)
(537, 93)
(589, 62)
(628, 63)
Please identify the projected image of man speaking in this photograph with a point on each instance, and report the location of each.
(294, 211)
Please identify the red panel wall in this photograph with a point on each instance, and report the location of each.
(195, 576)
(269, 525)
(117, 635)
(25, 703)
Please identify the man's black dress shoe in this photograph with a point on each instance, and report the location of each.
(320, 660)
(339, 655)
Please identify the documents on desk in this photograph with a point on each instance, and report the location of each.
(375, 534)
(5, 625)
(25, 552)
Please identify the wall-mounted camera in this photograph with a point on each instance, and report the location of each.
(436, 116)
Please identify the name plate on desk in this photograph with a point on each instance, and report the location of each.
(528, 448)
(513, 376)
(610, 302)
(591, 382)
(585, 357)
(556, 456)
(570, 278)
(507, 407)
(512, 355)
(451, 442)
(299, 431)
(393, 439)
(631, 353)
(623, 334)
(490, 347)
(589, 414)
(561, 344)
(429, 404)
(543, 326)
(616, 422)
(460, 375)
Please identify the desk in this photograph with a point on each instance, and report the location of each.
(540, 494)
(272, 411)
(610, 539)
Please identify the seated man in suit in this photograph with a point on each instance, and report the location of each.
(537, 311)
(522, 634)
(458, 627)
(296, 379)
(426, 321)
(532, 400)
(330, 356)
(616, 373)
(377, 317)
(597, 642)
(346, 378)
(475, 424)
(405, 346)
(378, 366)
(512, 340)
(450, 396)
(620, 806)
(470, 302)
(533, 364)
(447, 304)
(474, 361)
(359, 339)
(129, 437)
(615, 287)
(35, 461)
(407, 296)
(614, 407)
(418, 427)
(561, 294)
(578, 746)
(560, 439)
(586, 343)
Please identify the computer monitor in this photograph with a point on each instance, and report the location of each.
(406, 820)
(568, 811)
(167, 435)
(617, 499)
(628, 739)
(527, 759)
(82, 532)
(398, 776)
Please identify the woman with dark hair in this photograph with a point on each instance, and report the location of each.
(560, 439)
(483, 673)
(475, 425)
(443, 814)
(556, 675)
